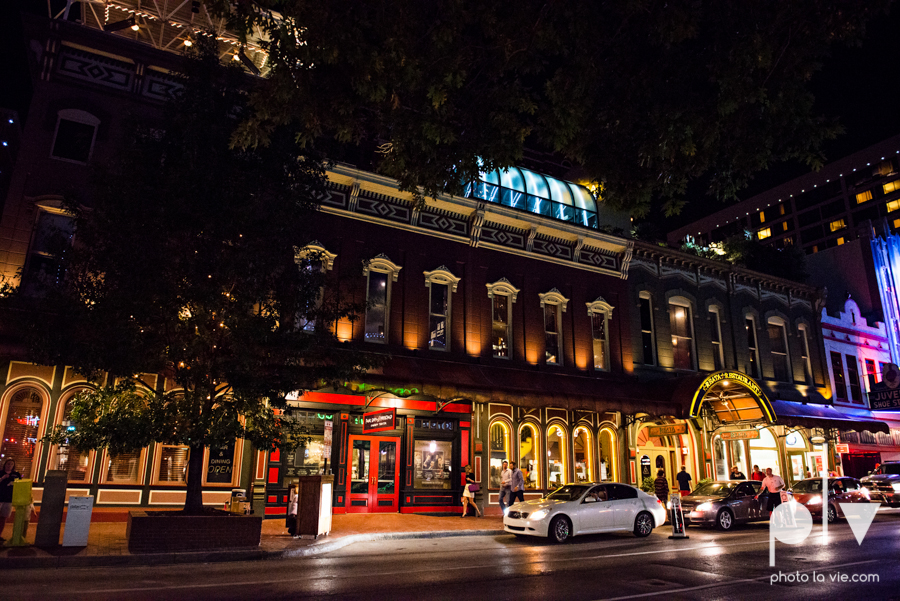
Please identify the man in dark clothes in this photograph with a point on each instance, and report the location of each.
(8, 475)
(684, 481)
(661, 486)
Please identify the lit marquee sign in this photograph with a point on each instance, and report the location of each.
(728, 378)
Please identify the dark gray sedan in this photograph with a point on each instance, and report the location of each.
(724, 504)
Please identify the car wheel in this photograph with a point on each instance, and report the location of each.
(724, 520)
(832, 514)
(560, 529)
(643, 524)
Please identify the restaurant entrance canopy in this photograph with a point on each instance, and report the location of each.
(732, 397)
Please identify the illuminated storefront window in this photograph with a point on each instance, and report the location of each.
(68, 458)
(529, 456)
(432, 460)
(556, 457)
(608, 456)
(499, 441)
(584, 455)
(20, 432)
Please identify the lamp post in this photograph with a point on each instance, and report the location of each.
(824, 442)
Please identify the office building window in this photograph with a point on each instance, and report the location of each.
(837, 372)
(502, 295)
(553, 304)
(381, 273)
(599, 312)
(441, 285)
(837, 224)
(779, 348)
(764, 233)
(752, 348)
(682, 336)
(853, 380)
(892, 186)
(893, 206)
(715, 329)
(863, 197)
(647, 338)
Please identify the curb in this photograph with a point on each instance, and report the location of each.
(255, 554)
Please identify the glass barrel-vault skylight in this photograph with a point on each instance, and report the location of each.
(530, 191)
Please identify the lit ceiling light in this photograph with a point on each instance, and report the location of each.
(135, 27)
(188, 43)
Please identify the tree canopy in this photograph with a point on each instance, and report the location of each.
(645, 96)
(188, 263)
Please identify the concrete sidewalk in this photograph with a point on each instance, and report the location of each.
(107, 545)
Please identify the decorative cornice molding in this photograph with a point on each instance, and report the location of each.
(503, 286)
(441, 275)
(554, 297)
(382, 264)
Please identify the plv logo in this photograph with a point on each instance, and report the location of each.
(792, 522)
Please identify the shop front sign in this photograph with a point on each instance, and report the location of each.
(645, 467)
(740, 435)
(326, 440)
(439, 425)
(221, 464)
(379, 421)
(668, 430)
(842, 448)
(737, 378)
(885, 395)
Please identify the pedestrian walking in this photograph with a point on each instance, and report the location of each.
(517, 484)
(684, 481)
(772, 486)
(737, 474)
(8, 475)
(505, 486)
(661, 486)
(756, 474)
(293, 503)
(468, 496)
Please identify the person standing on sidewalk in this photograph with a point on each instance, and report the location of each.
(772, 486)
(505, 486)
(468, 496)
(684, 481)
(293, 502)
(757, 475)
(661, 486)
(517, 484)
(8, 475)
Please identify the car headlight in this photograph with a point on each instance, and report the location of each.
(539, 514)
(865, 492)
(704, 507)
(815, 501)
(668, 504)
(896, 486)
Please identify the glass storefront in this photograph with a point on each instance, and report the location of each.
(608, 456)
(556, 457)
(499, 452)
(584, 455)
(433, 459)
(529, 453)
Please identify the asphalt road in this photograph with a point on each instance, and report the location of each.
(709, 565)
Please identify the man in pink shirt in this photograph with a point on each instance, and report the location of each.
(772, 485)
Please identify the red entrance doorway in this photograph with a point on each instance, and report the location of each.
(373, 474)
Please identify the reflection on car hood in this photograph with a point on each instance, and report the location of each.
(881, 478)
(696, 500)
(535, 504)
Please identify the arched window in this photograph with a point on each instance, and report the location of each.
(609, 463)
(76, 463)
(764, 452)
(21, 430)
(557, 474)
(584, 454)
(499, 441)
(530, 456)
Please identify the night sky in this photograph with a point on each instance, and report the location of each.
(860, 86)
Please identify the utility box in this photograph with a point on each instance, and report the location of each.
(21, 496)
(314, 505)
(53, 503)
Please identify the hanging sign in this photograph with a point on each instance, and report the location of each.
(885, 396)
(842, 447)
(326, 440)
(668, 430)
(379, 421)
(740, 435)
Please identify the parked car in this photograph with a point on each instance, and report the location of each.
(588, 508)
(724, 504)
(884, 483)
(840, 490)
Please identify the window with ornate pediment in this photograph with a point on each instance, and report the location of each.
(600, 313)
(380, 273)
(502, 295)
(441, 284)
(315, 258)
(553, 304)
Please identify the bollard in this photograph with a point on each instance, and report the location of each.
(677, 517)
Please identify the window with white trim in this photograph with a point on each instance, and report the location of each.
(682, 334)
(715, 334)
(553, 304)
(381, 272)
(314, 258)
(52, 239)
(502, 295)
(778, 345)
(600, 312)
(648, 342)
(76, 132)
(804, 352)
(441, 284)
(752, 346)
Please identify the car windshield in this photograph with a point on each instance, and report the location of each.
(808, 486)
(714, 489)
(569, 492)
(890, 468)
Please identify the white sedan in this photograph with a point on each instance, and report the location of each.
(576, 509)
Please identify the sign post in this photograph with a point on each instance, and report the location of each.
(326, 445)
(677, 517)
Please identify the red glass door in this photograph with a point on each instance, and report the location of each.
(374, 484)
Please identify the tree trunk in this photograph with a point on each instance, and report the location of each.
(193, 502)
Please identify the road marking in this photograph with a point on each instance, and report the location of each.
(732, 581)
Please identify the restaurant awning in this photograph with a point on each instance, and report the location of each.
(826, 416)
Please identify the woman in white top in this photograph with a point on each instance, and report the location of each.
(293, 500)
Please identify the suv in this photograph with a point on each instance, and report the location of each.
(884, 483)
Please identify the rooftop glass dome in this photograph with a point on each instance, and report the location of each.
(530, 191)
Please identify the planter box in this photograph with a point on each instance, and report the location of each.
(166, 532)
